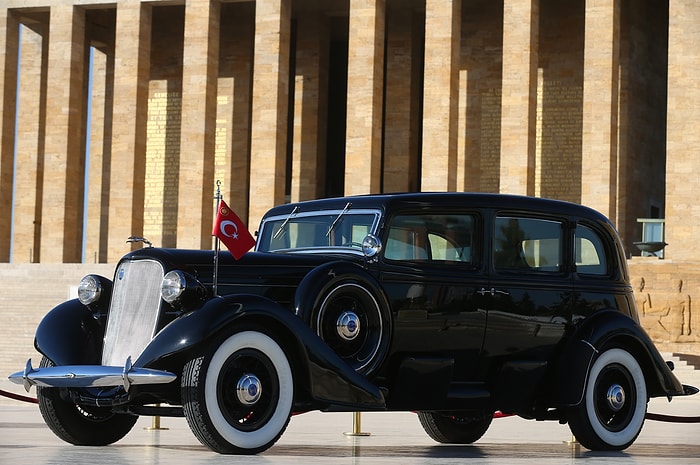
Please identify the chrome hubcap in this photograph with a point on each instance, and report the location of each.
(248, 389)
(348, 326)
(616, 397)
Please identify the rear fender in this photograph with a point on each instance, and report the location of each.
(321, 371)
(70, 335)
(606, 329)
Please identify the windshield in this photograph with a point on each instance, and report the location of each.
(317, 230)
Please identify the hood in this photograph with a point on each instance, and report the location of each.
(271, 274)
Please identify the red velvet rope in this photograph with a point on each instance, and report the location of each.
(18, 397)
(672, 418)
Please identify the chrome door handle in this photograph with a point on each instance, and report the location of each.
(492, 291)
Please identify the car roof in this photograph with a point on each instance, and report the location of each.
(391, 202)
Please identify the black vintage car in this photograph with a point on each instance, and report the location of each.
(453, 305)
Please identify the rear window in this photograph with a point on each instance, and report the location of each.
(590, 252)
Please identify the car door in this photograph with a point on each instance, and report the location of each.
(530, 290)
(431, 270)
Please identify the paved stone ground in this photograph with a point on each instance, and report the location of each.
(395, 438)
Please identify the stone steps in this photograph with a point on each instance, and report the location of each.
(686, 367)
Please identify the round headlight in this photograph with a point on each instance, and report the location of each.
(174, 284)
(89, 289)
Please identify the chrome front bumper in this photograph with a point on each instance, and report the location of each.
(89, 376)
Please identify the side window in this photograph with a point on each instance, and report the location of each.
(590, 253)
(527, 244)
(431, 237)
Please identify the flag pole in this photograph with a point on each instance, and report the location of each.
(217, 245)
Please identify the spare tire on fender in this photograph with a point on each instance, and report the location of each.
(346, 308)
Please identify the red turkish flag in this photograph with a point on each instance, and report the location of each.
(230, 230)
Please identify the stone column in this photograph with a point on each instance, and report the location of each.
(402, 99)
(64, 161)
(198, 130)
(519, 96)
(270, 95)
(131, 75)
(9, 42)
(363, 140)
(29, 145)
(310, 107)
(443, 20)
(234, 95)
(682, 135)
(100, 155)
(600, 106)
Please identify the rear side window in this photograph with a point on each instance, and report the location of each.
(527, 244)
(590, 253)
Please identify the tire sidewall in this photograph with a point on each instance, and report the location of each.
(626, 436)
(271, 430)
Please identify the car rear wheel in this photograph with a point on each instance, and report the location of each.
(455, 428)
(81, 425)
(611, 415)
(238, 398)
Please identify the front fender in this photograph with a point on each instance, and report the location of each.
(70, 335)
(327, 376)
(593, 335)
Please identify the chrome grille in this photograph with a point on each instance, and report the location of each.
(133, 312)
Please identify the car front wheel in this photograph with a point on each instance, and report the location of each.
(78, 424)
(238, 398)
(611, 415)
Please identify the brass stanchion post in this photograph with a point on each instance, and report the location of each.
(356, 426)
(155, 424)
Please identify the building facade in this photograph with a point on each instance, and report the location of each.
(117, 118)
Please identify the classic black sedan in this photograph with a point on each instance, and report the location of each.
(452, 305)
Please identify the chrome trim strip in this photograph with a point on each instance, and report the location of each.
(90, 376)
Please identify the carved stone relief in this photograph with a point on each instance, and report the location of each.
(667, 315)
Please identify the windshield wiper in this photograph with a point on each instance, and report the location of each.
(337, 218)
(280, 230)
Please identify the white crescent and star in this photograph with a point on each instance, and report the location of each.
(224, 225)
